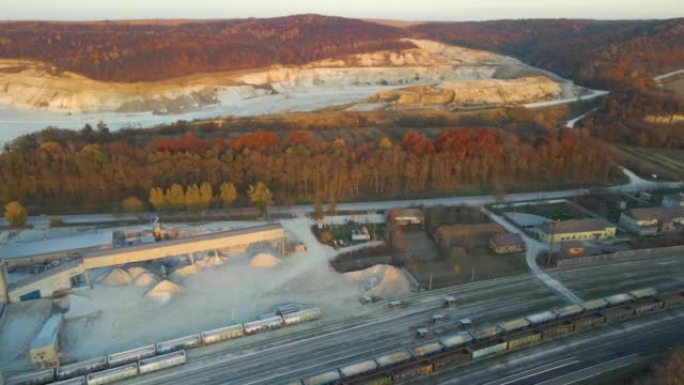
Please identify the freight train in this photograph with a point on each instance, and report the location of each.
(461, 348)
(83, 374)
(118, 366)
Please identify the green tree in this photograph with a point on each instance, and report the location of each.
(132, 205)
(175, 196)
(318, 210)
(206, 195)
(193, 199)
(157, 198)
(260, 196)
(15, 214)
(228, 193)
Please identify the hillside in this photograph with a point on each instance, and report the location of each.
(144, 51)
(623, 56)
(600, 54)
(37, 85)
(256, 66)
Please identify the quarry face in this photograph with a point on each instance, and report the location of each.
(461, 74)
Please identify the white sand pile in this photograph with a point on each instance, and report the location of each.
(264, 261)
(116, 277)
(81, 306)
(137, 271)
(381, 280)
(164, 291)
(145, 280)
(215, 261)
(186, 270)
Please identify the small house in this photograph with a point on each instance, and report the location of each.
(507, 243)
(652, 220)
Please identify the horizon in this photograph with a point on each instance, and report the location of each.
(368, 19)
(410, 10)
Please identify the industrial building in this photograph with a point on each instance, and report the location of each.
(653, 220)
(75, 273)
(576, 229)
(44, 350)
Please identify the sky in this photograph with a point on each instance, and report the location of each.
(394, 9)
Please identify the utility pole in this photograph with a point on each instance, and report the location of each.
(430, 283)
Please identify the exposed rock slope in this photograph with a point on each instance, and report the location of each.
(456, 72)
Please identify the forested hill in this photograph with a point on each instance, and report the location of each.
(621, 56)
(149, 50)
(600, 54)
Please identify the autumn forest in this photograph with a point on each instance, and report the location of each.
(94, 168)
(98, 169)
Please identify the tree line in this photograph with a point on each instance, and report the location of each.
(187, 172)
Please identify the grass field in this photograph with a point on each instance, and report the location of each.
(675, 84)
(666, 163)
(477, 264)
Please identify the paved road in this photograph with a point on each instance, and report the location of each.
(572, 360)
(532, 249)
(635, 183)
(279, 356)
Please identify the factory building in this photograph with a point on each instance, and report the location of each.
(75, 274)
